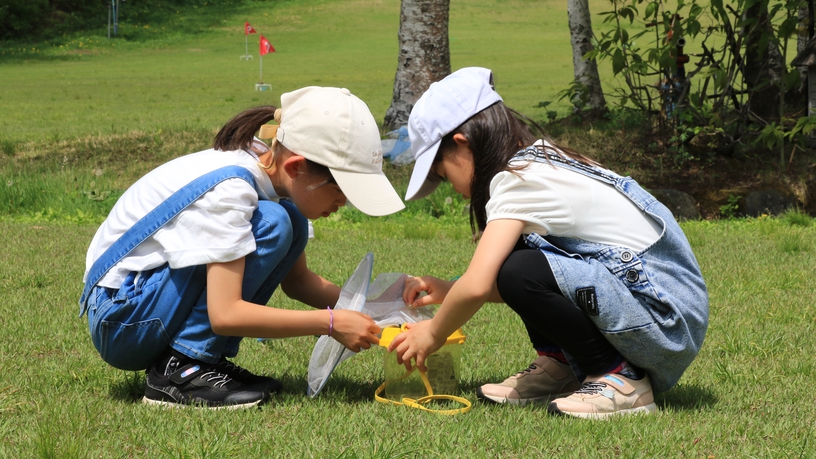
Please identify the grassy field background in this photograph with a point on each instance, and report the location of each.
(745, 396)
(91, 85)
(81, 120)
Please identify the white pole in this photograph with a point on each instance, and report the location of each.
(261, 81)
(246, 45)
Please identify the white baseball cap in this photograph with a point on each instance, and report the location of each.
(445, 106)
(334, 128)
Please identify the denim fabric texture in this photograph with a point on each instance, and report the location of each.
(154, 220)
(651, 306)
(131, 326)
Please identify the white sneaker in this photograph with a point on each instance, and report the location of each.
(607, 395)
(545, 379)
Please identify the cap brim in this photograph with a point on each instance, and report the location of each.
(371, 193)
(420, 186)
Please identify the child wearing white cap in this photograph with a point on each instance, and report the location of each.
(600, 273)
(190, 254)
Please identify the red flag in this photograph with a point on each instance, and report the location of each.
(266, 47)
(248, 29)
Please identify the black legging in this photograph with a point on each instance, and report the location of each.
(526, 283)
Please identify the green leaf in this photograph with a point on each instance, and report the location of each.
(591, 55)
(693, 27)
(651, 8)
(618, 62)
(788, 27)
(792, 79)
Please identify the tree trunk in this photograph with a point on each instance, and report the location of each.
(585, 71)
(796, 98)
(763, 65)
(424, 55)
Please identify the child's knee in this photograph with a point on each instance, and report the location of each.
(279, 225)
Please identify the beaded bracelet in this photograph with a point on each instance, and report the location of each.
(331, 319)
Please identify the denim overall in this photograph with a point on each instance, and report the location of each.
(652, 306)
(133, 325)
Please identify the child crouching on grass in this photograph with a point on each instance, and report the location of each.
(182, 267)
(598, 270)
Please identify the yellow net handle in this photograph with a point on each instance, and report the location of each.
(419, 403)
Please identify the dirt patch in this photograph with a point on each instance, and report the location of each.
(713, 178)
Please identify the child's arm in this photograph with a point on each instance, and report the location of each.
(303, 285)
(476, 287)
(231, 316)
(436, 289)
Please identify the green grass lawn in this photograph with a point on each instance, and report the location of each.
(745, 396)
(82, 121)
(90, 85)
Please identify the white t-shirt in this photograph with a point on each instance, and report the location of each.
(559, 202)
(216, 228)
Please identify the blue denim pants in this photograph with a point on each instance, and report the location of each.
(133, 325)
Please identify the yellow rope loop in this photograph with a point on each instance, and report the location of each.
(419, 403)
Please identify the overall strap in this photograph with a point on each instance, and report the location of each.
(155, 219)
(534, 154)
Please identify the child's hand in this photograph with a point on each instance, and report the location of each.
(436, 288)
(416, 343)
(354, 330)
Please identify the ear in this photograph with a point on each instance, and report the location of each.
(295, 165)
(461, 140)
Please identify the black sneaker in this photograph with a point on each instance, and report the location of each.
(190, 382)
(247, 378)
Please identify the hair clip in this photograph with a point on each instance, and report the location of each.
(268, 131)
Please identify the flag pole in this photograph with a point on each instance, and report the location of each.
(246, 56)
(261, 86)
(265, 46)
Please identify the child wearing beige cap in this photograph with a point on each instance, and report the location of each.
(190, 254)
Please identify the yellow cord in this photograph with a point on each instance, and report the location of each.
(419, 403)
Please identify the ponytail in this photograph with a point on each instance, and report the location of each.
(239, 132)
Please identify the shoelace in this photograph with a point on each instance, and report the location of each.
(528, 369)
(230, 367)
(591, 388)
(220, 379)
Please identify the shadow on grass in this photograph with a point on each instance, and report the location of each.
(129, 388)
(687, 397)
(343, 389)
(683, 397)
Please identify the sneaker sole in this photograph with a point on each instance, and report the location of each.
(518, 401)
(601, 416)
(167, 404)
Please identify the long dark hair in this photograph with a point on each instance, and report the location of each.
(239, 134)
(494, 135)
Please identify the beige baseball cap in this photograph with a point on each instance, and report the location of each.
(334, 128)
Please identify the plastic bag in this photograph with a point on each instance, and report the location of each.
(384, 305)
(396, 144)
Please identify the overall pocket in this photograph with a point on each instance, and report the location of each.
(132, 346)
